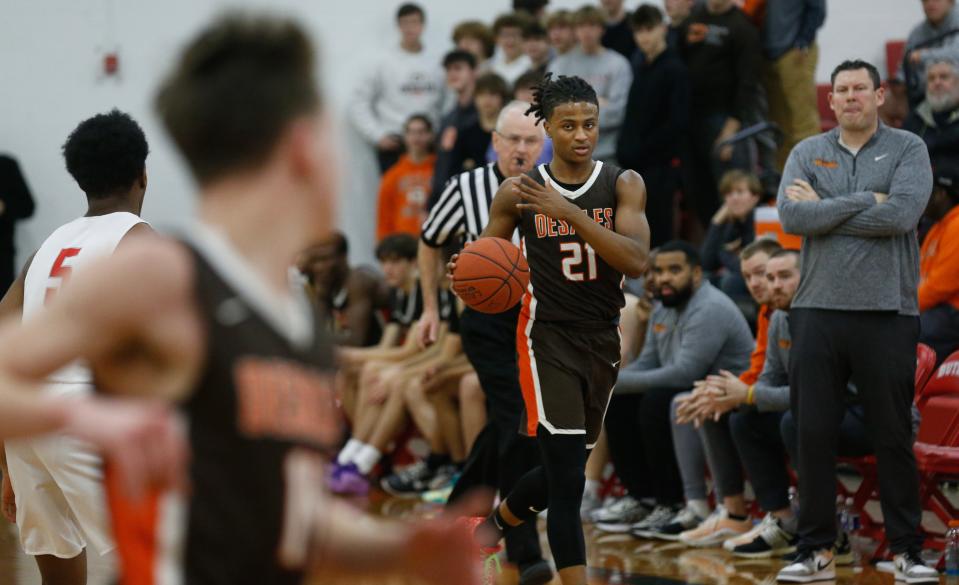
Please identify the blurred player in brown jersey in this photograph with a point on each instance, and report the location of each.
(213, 323)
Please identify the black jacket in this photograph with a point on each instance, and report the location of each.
(17, 204)
(722, 53)
(657, 114)
(939, 132)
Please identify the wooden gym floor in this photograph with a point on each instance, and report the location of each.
(613, 559)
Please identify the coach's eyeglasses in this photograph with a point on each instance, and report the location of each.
(514, 140)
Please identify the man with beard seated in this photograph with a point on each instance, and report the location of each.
(694, 331)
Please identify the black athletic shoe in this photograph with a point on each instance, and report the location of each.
(539, 573)
(410, 482)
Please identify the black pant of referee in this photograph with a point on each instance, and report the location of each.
(489, 342)
(876, 350)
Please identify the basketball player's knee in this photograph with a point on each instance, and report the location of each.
(529, 495)
(565, 462)
(568, 483)
(470, 389)
(368, 370)
(413, 392)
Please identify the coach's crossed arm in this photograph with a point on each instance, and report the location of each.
(803, 212)
(909, 193)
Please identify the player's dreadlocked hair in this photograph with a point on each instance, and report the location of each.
(550, 93)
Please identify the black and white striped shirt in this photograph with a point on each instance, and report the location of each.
(462, 210)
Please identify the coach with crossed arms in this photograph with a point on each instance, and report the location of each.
(856, 194)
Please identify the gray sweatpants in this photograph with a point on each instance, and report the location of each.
(712, 444)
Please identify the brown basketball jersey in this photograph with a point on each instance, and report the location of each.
(569, 281)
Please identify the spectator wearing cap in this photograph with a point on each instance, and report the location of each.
(936, 119)
(475, 37)
(936, 37)
(536, 46)
(656, 119)
(510, 61)
(559, 27)
(939, 263)
(618, 35)
(460, 68)
(607, 71)
(789, 69)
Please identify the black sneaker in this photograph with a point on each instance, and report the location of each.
(682, 521)
(843, 550)
(444, 477)
(770, 540)
(409, 482)
(538, 573)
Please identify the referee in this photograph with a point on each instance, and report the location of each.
(855, 194)
(460, 215)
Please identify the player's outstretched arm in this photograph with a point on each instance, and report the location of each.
(131, 316)
(627, 248)
(333, 539)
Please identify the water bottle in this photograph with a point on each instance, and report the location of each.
(794, 500)
(852, 528)
(841, 520)
(952, 551)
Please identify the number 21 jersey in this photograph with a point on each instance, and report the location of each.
(569, 281)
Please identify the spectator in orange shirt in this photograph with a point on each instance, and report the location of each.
(405, 187)
(939, 264)
(753, 261)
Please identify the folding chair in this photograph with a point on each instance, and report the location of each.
(942, 383)
(937, 447)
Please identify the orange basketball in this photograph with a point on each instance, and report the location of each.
(491, 275)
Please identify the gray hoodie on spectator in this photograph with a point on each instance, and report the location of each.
(611, 76)
(858, 255)
(685, 344)
(771, 392)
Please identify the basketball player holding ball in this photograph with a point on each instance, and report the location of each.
(583, 227)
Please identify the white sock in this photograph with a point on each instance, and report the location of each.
(592, 488)
(699, 507)
(367, 458)
(349, 451)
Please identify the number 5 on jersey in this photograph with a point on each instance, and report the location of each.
(572, 269)
(60, 271)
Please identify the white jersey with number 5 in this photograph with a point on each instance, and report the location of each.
(58, 479)
(68, 249)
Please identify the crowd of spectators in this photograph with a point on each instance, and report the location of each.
(706, 376)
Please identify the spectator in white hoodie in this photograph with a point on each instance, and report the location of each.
(398, 85)
(510, 61)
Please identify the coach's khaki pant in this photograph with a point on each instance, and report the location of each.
(790, 84)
